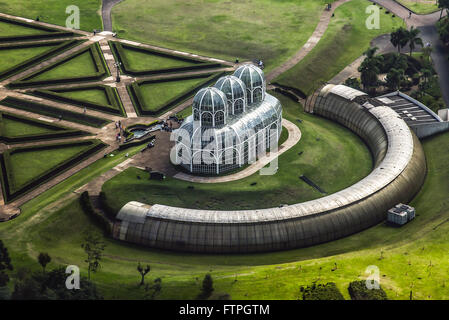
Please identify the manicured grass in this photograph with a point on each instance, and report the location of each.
(344, 41)
(407, 251)
(420, 6)
(12, 57)
(79, 66)
(92, 95)
(14, 128)
(27, 165)
(269, 30)
(11, 29)
(140, 61)
(157, 94)
(54, 11)
(323, 143)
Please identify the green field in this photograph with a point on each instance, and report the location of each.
(141, 61)
(407, 251)
(12, 29)
(323, 142)
(14, 128)
(26, 166)
(420, 6)
(54, 11)
(344, 41)
(156, 95)
(248, 29)
(12, 57)
(79, 66)
(93, 95)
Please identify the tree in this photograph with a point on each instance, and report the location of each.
(51, 286)
(5, 264)
(413, 39)
(94, 247)
(394, 78)
(443, 4)
(143, 272)
(370, 69)
(207, 288)
(44, 259)
(399, 39)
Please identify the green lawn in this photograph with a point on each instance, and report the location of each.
(54, 11)
(140, 61)
(157, 94)
(93, 95)
(407, 252)
(323, 142)
(12, 57)
(25, 166)
(248, 29)
(344, 41)
(79, 66)
(11, 29)
(13, 128)
(421, 6)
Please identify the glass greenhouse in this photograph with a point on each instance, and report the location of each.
(232, 124)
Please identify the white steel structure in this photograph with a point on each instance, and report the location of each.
(232, 124)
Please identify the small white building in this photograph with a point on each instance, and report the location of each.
(401, 214)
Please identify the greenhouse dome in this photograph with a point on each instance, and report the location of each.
(213, 140)
(235, 91)
(254, 80)
(210, 107)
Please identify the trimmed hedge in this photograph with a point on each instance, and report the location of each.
(62, 132)
(96, 55)
(107, 209)
(54, 112)
(139, 103)
(328, 291)
(118, 48)
(7, 179)
(63, 45)
(52, 33)
(358, 291)
(98, 218)
(114, 107)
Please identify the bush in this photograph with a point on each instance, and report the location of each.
(98, 218)
(328, 291)
(358, 291)
(107, 209)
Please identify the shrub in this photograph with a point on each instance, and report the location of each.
(328, 291)
(358, 291)
(97, 217)
(107, 209)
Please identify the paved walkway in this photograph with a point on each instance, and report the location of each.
(106, 13)
(310, 44)
(294, 135)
